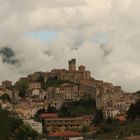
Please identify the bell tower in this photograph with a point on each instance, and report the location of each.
(72, 65)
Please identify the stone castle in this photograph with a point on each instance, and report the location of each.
(72, 74)
(106, 94)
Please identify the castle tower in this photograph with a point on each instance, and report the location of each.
(82, 68)
(72, 65)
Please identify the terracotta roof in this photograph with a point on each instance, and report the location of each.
(121, 118)
(76, 118)
(133, 138)
(65, 134)
(63, 123)
(68, 85)
(2, 89)
(89, 117)
(49, 115)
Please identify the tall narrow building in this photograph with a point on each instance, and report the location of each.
(72, 65)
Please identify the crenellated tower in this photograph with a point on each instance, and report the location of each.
(72, 65)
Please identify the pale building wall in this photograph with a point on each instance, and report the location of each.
(76, 138)
(34, 86)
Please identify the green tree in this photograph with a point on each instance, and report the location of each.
(106, 128)
(131, 112)
(5, 97)
(85, 106)
(55, 82)
(63, 112)
(25, 132)
(11, 127)
(134, 111)
(109, 120)
(37, 116)
(51, 109)
(22, 87)
(98, 118)
(85, 128)
(42, 81)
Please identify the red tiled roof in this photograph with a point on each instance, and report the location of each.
(133, 138)
(121, 118)
(94, 129)
(63, 123)
(76, 118)
(2, 89)
(87, 117)
(49, 115)
(68, 85)
(65, 134)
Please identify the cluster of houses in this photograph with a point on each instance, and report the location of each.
(111, 99)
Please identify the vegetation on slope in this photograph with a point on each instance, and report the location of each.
(114, 129)
(11, 127)
(85, 106)
(22, 87)
(134, 111)
(51, 82)
(5, 97)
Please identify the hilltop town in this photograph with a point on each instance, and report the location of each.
(60, 88)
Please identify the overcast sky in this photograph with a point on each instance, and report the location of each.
(103, 35)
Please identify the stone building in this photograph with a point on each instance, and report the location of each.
(106, 94)
(56, 102)
(75, 75)
(34, 85)
(35, 76)
(68, 91)
(64, 123)
(6, 91)
(89, 89)
(50, 94)
(72, 74)
(72, 65)
(7, 84)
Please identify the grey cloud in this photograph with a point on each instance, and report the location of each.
(48, 53)
(106, 50)
(8, 56)
(78, 23)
